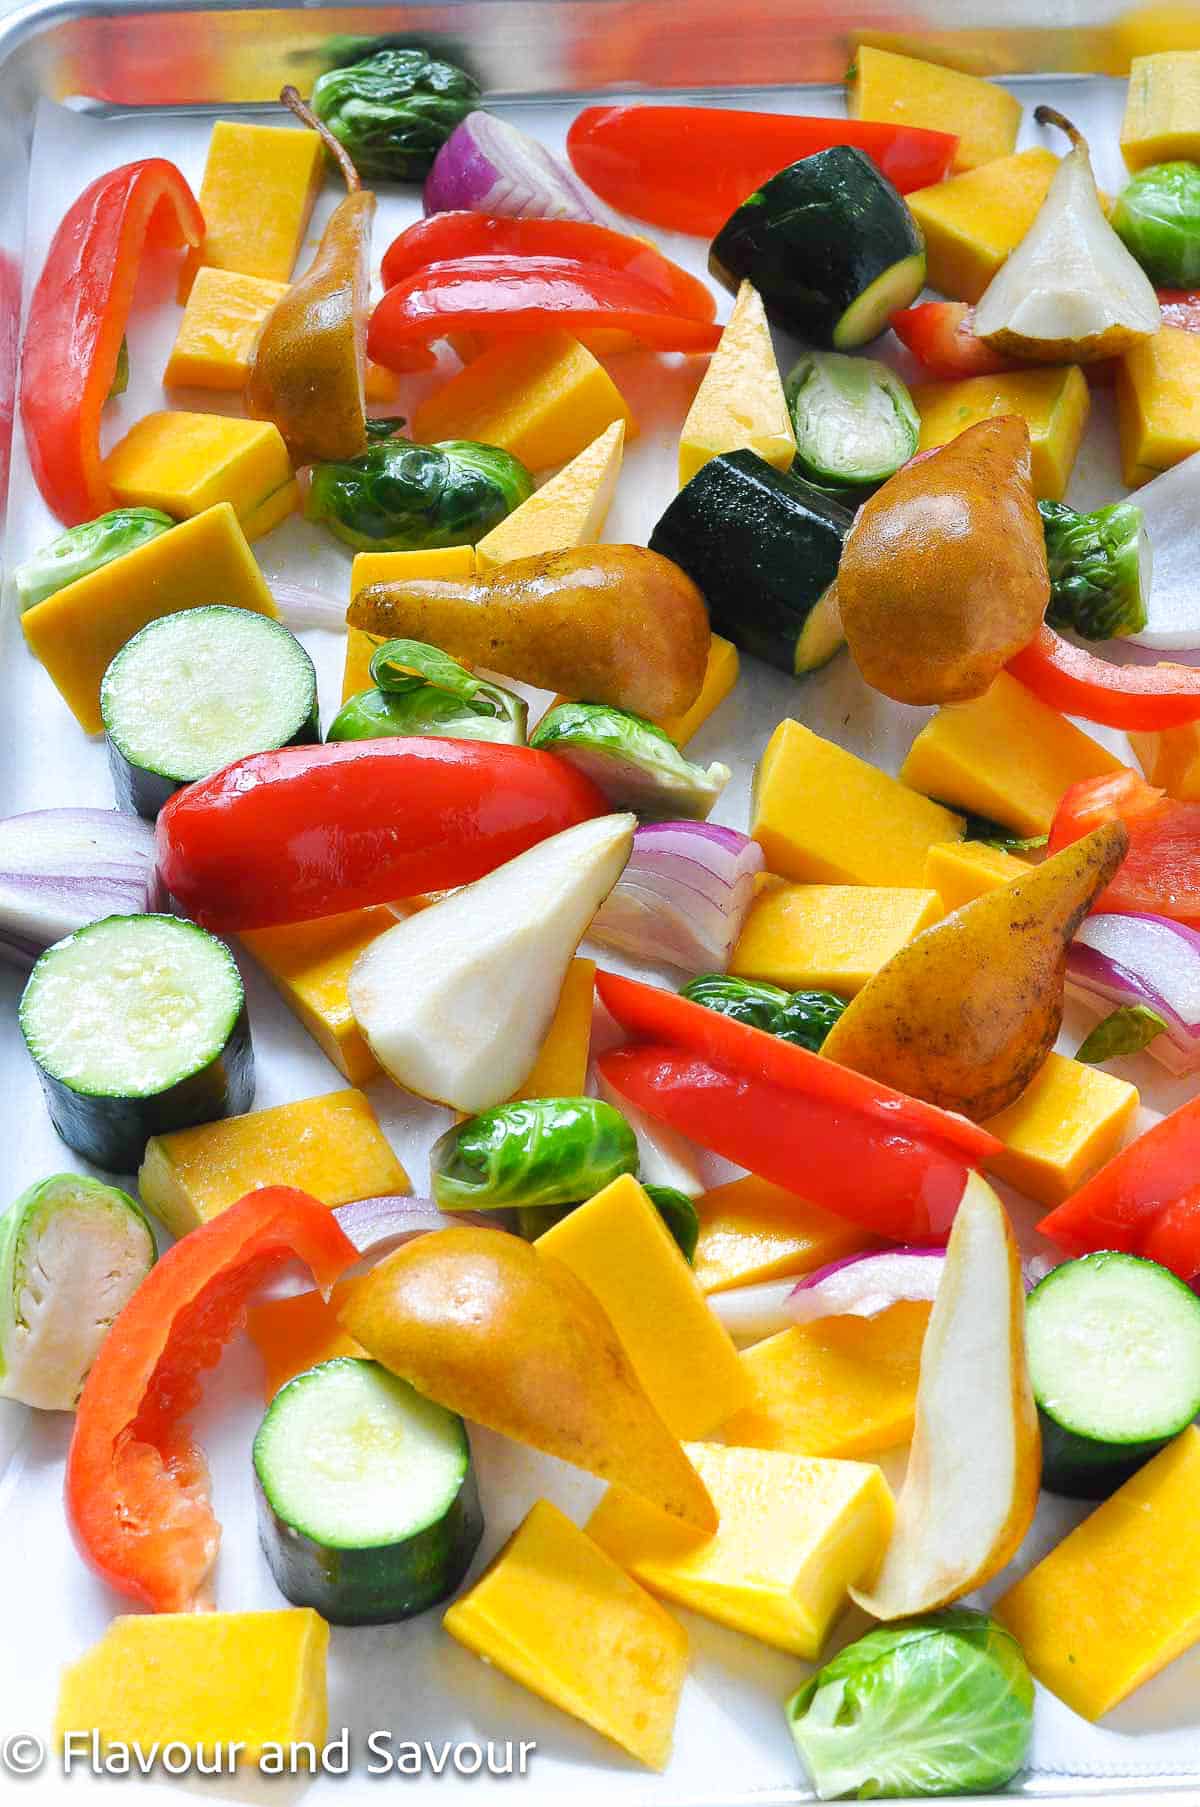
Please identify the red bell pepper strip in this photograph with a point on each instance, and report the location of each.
(687, 168)
(1160, 874)
(309, 831)
(77, 321)
(1181, 308)
(1076, 682)
(444, 237)
(941, 335)
(1145, 1201)
(137, 1486)
(526, 295)
(10, 333)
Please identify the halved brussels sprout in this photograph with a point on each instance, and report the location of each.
(540, 1151)
(634, 763)
(84, 549)
(801, 1017)
(401, 497)
(421, 690)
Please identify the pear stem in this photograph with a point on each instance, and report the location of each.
(291, 99)
(1051, 116)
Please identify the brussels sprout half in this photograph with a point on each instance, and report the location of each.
(801, 1017)
(401, 497)
(84, 549)
(421, 690)
(394, 110)
(634, 763)
(541, 1151)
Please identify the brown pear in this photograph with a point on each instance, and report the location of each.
(943, 577)
(307, 373)
(965, 1014)
(482, 1323)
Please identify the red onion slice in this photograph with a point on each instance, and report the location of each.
(61, 868)
(488, 165)
(1145, 959)
(683, 897)
(377, 1225)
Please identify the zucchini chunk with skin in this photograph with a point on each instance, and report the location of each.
(137, 1025)
(194, 691)
(368, 1507)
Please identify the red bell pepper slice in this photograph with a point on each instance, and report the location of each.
(941, 335)
(445, 237)
(512, 295)
(1160, 874)
(77, 321)
(1076, 682)
(10, 333)
(309, 831)
(1181, 308)
(687, 168)
(137, 1485)
(1145, 1201)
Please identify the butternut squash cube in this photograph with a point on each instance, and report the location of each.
(828, 937)
(618, 1245)
(569, 510)
(1158, 404)
(961, 870)
(1053, 401)
(272, 511)
(297, 1333)
(185, 463)
(79, 630)
(557, 1614)
(1171, 759)
(1067, 1122)
(795, 1536)
(841, 1387)
(720, 676)
(740, 402)
(393, 567)
(823, 816)
(902, 90)
(1119, 1598)
(751, 1231)
(257, 194)
(360, 650)
(560, 1070)
(1162, 109)
(542, 398)
(330, 1146)
(201, 1679)
(973, 221)
(1005, 755)
(215, 343)
(309, 964)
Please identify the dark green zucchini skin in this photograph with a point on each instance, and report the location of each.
(140, 792)
(1079, 1469)
(761, 545)
(374, 1586)
(814, 239)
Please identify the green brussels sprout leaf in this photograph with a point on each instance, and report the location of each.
(801, 1017)
(84, 549)
(540, 1151)
(633, 762)
(421, 690)
(400, 497)
(1099, 569)
(394, 110)
(383, 426)
(1125, 1031)
(1157, 215)
(680, 1216)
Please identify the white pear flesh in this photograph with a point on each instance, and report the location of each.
(456, 1001)
(665, 1158)
(1070, 292)
(974, 1469)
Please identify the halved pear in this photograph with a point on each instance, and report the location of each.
(974, 1470)
(1070, 292)
(456, 1001)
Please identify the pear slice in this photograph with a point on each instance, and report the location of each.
(1070, 292)
(974, 1470)
(455, 1002)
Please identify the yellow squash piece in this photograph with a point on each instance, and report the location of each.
(569, 510)
(1162, 109)
(201, 1680)
(558, 1615)
(219, 330)
(1158, 404)
(390, 567)
(273, 511)
(330, 1146)
(542, 398)
(828, 937)
(961, 870)
(560, 1070)
(1005, 755)
(1119, 1599)
(309, 963)
(297, 1333)
(1053, 401)
(185, 463)
(751, 1230)
(356, 673)
(796, 1534)
(1171, 759)
(902, 90)
(79, 630)
(1067, 1122)
(618, 1245)
(740, 402)
(841, 1387)
(721, 674)
(257, 195)
(973, 221)
(823, 816)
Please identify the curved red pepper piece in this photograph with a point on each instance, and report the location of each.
(137, 1486)
(526, 295)
(77, 320)
(1144, 1201)
(1076, 682)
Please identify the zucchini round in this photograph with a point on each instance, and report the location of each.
(830, 246)
(854, 420)
(193, 691)
(137, 1025)
(368, 1507)
(1114, 1357)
